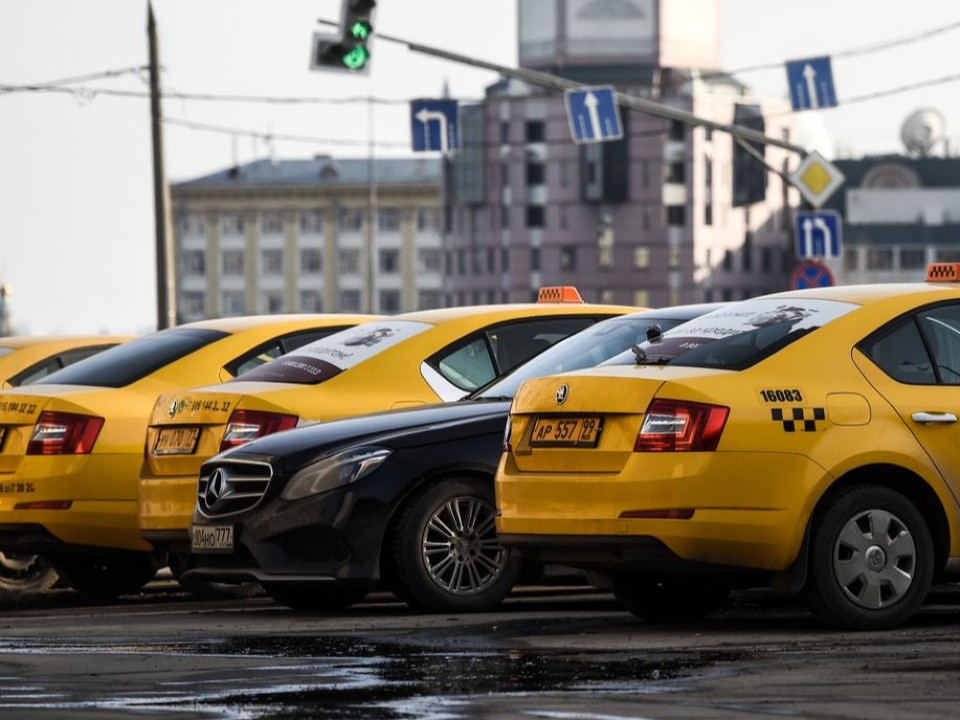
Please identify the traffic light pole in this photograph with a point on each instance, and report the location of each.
(558, 83)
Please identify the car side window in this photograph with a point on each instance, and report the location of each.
(901, 354)
(469, 366)
(941, 328)
(516, 342)
(272, 349)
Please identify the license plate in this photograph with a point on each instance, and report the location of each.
(211, 538)
(566, 431)
(176, 441)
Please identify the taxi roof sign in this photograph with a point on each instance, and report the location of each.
(559, 294)
(943, 272)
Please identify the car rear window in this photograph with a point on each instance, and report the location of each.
(134, 360)
(321, 360)
(737, 336)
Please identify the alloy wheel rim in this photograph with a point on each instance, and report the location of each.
(875, 559)
(459, 546)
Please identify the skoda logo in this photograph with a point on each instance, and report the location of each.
(562, 393)
(172, 410)
(217, 486)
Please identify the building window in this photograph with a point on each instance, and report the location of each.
(311, 261)
(748, 252)
(879, 259)
(562, 216)
(231, 224)
(428, 219)
(645, 173)
(605, 249)
(390, 301)
(491, 260)
(606, 297)
(348, 262)
(192, 224)
(350, 219)
(564, 173)
(727, 262)
(193, 304)
(232, 303)
(673, 255)
(536, 131)
(676, 215)
(311, 301)
(948, 255)
(504, 174)
(535, 258)
(504, 216)
(536, 173)
(194, 263)
(271, 261)
(428, 259)
(311, 221)
(536, 216)
(271, 223)
(233, 262)
(850, 260)
(641, 257)
(428, 299)
(913, 259)
(461, 262)
(641, 298)
(676, 172)
(708, 214)
(349, 301)
(504, 132)
(389, 261)
(388, 219)
(766, 259)
(504, 259)
(568, 258)
(678, 130)
(272, 302)
(645, 216)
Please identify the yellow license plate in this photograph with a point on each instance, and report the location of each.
(566, 431)
(176, 441)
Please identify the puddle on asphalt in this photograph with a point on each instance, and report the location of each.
(348, 677)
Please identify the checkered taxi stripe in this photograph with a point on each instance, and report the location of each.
(800, 419)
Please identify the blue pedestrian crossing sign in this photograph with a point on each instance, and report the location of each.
(593, 114)
(434, 125)
(811, 83)
(818, 234)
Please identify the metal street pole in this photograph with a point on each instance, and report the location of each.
(558, 83)
(166, 296)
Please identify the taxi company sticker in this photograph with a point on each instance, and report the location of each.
(12, 488)
(18, 407)
(799, 419)
(194, 406)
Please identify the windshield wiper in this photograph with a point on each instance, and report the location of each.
(491, 398)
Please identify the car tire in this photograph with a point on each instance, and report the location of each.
(21, 574)
(669, 599)
(871, 560)
(105, 577)
(316, 598)
(445, 552)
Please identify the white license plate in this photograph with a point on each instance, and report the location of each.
(211, 538)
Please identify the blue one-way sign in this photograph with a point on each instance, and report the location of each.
(811, 83)
(434, 125)
(818, 234)
(593, 114)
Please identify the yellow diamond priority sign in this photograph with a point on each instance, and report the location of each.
(816, 179)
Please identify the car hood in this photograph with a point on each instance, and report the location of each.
(433, 423)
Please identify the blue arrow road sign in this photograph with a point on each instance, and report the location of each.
(593, 114)
(434, 125)
(819, 234)
(811, 83)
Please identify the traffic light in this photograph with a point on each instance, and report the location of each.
(350, 50)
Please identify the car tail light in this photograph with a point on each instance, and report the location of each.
(247, 425)
(680, 426)
(59, 433)
(507, 446)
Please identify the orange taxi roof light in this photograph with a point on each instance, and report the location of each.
(943, 272)
(561, 294)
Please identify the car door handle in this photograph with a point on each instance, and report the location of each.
(933, 417)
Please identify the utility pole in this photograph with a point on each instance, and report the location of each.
(166, 297)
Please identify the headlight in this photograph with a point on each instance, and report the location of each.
(335, 471)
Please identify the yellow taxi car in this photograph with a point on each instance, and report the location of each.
(24, 360)
(72, 443)
(806, 440)
(404, 361)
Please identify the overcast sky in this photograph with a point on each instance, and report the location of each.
(76, 214)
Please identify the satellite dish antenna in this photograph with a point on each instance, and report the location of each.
(922, 130)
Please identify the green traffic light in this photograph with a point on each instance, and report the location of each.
(360, 30)
(356, 58)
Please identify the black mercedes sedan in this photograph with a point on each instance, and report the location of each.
(322, 514)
